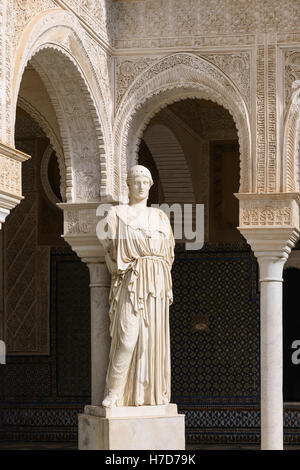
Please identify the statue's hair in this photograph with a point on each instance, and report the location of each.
(139, 170)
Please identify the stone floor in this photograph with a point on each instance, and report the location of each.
(73, 446)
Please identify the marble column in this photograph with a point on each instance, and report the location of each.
(80, 221)
(270, 224)
(100, 338)
(270, 278)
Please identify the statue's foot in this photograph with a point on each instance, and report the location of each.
(110, 400)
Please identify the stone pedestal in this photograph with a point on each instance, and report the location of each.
(131, 428)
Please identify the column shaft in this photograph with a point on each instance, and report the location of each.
(271, 268)
(100, 338)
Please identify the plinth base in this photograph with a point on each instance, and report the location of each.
(131, 428)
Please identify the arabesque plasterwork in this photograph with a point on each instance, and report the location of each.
(127, 59)
(170, 79)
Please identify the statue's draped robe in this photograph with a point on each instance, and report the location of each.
(139, 255)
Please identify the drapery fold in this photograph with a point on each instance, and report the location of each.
(139, 255)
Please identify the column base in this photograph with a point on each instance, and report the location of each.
(131, 428)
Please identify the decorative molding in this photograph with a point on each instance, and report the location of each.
(45, 177)
(291, 140)
(80, 223)
(292, 73)
(10, 178)
(237, 66)
(269, 209)
(163, 45)
(260, 119)
(10, 175)
(158, 21)
(126, 71)
(271, 164)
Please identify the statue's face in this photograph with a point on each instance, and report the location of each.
(139, 187)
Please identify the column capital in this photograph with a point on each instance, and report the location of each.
(80, 221)
(271, 241)
(270, 221)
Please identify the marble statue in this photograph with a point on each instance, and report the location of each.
(139, 247)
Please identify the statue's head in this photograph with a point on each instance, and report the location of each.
(139, 182)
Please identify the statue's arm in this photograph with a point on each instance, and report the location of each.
(171, 246)
(109, 241)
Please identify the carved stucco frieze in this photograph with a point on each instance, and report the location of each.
(292, 73)
(271, 164)
(185, 41)
(260, 119)
(80, 221)
(266, 216)
(10, 170)
(10, 175)
(163, 19)
(10, 179)
(127, 70)
(237, 66)
(98, 14)
(269, 209)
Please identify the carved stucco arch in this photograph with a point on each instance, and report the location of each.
(174, 78)
(57, 38)
(291, 146)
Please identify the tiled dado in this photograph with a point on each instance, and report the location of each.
(202, 425)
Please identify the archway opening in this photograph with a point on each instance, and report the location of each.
(45, 285)
(191, 146)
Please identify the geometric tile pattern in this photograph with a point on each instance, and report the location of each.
(40, 417)
(215, 371)
(220, 362)
(71, 297)
(26, 273)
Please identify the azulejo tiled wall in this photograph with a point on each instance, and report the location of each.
(214, 325)
(215, 345)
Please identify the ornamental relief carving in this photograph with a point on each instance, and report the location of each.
(292, 74)
(126, 71)
(58, 42)
(266, 216)
(185, 41)
(10, 175)
(149, 19)
(80, 221)
(235, 65)
(173, 78)
(23, 12)
(78, 127)
(191, 61)
(98, 14)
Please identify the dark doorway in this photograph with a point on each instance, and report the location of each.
(291, 335)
